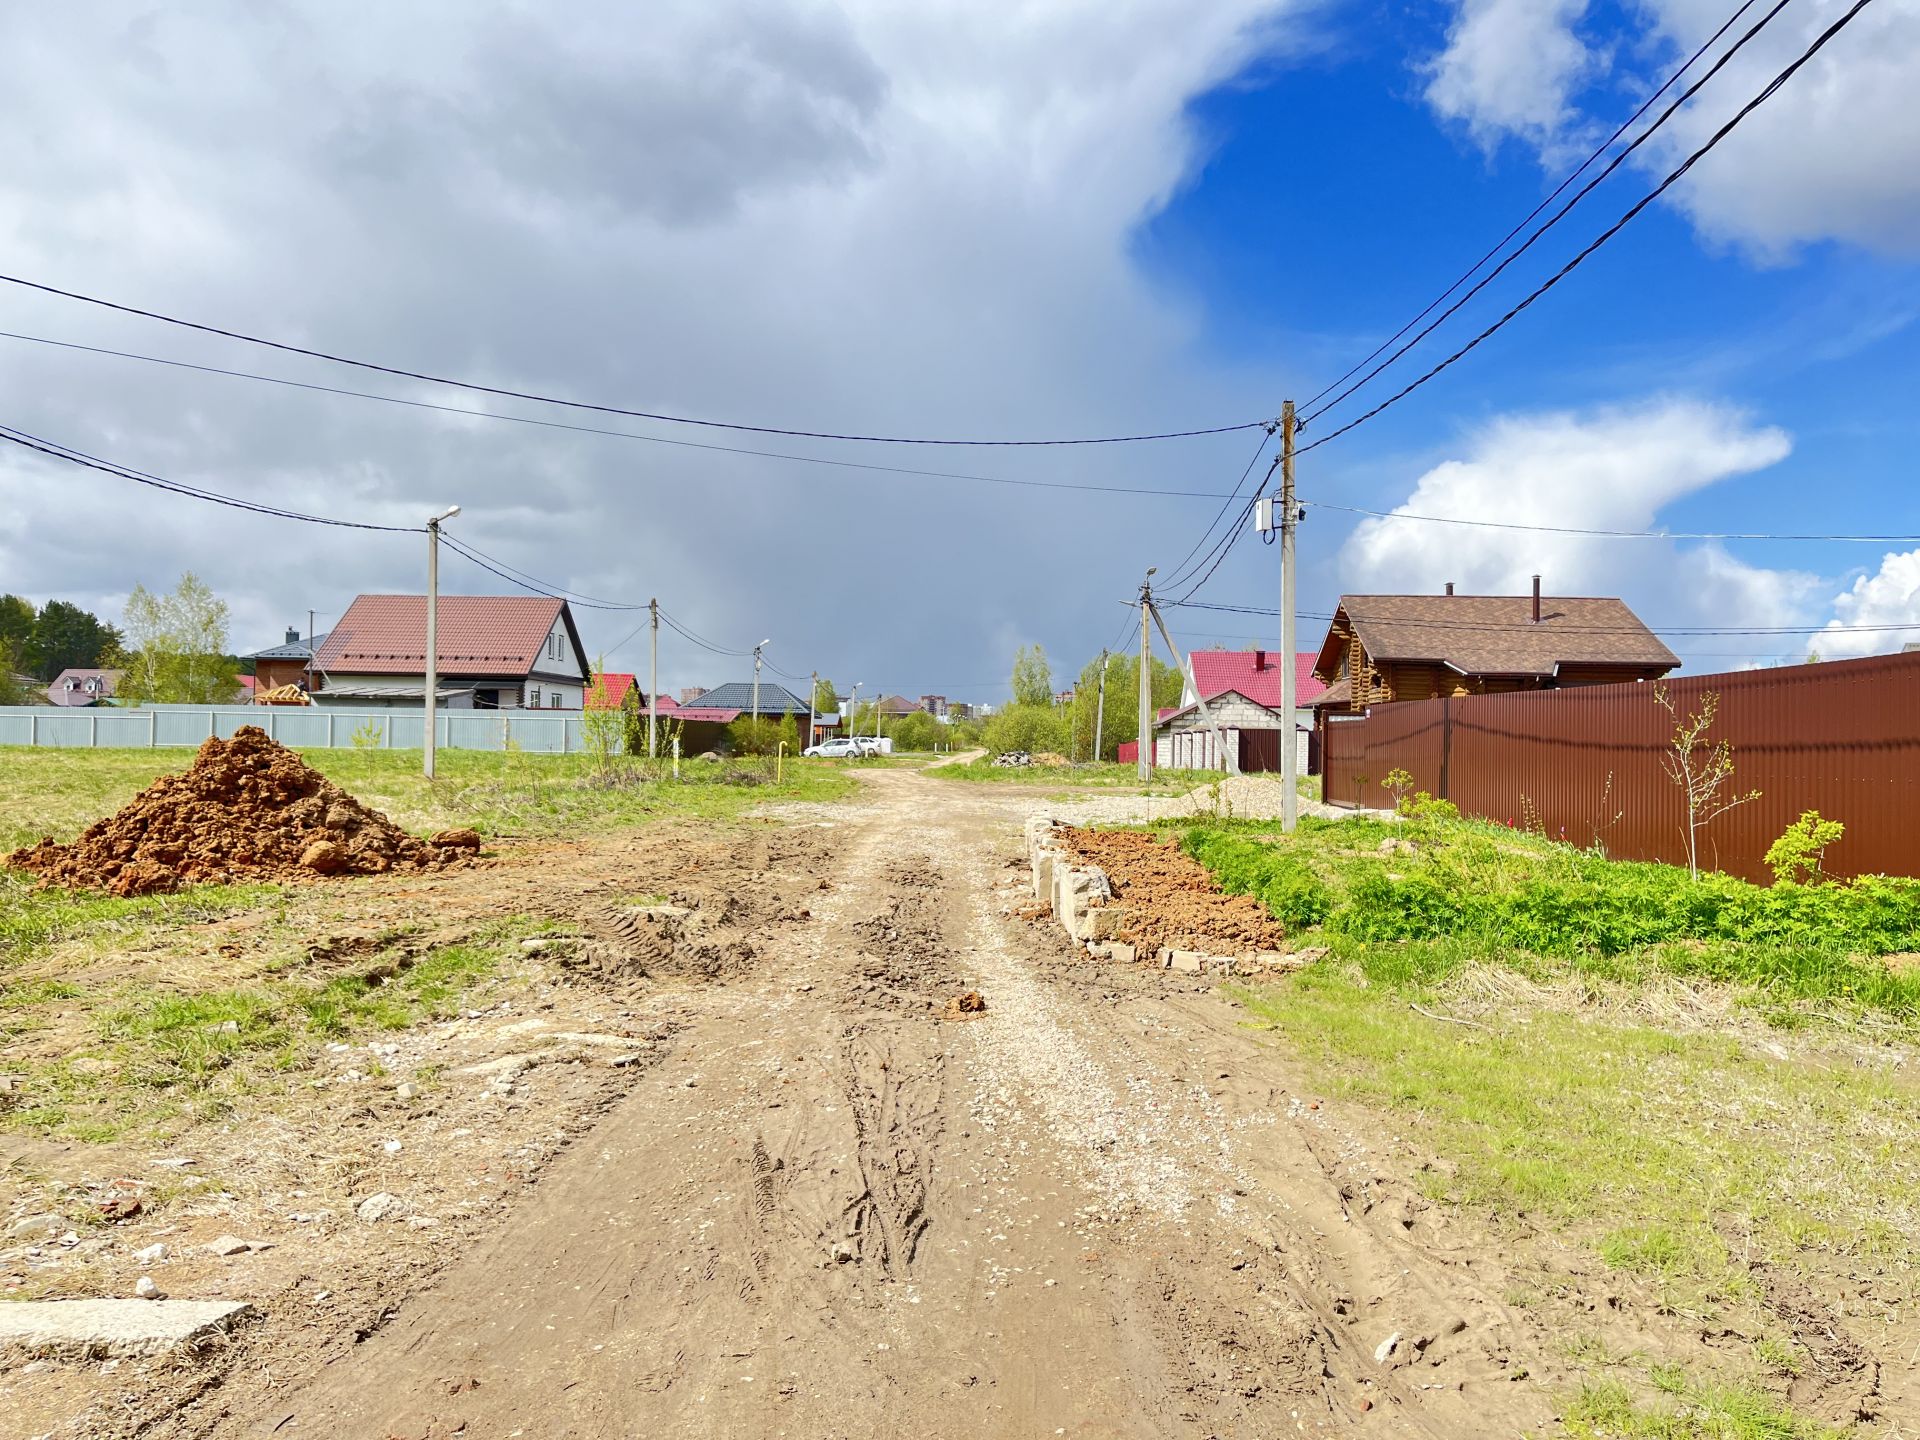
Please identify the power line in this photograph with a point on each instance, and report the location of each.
(661, 416)
(465, 413)
(1560, 215)
(192, 492)
(544, 587)
(1533, 214)
(526, 584)
(1612, 230)
(1614, 534)
(1205, 534)
(1231, 537)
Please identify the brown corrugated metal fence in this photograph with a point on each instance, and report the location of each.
(1841, 737)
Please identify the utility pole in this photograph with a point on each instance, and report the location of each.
(1145, 745)
(310, 649)
(653, 681)
(1100, 709)
(1289, 734)
(813, 694)
(433, 627)
(756, 683)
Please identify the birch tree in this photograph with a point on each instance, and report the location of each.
(1701, 769)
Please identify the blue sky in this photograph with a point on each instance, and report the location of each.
(1334, 203)
(1086, 217)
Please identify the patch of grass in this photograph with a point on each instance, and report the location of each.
(1102, 776)
(1607, 1410)
(1425, 896)
(162, 1055)
(33, 920)
(1593, 1127)
(58, 793)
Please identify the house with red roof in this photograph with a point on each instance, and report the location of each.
(618, 687)
(1242, 691)
(495, 652)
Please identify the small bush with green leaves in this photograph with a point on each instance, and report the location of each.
(1286, 884)
(1798, 855)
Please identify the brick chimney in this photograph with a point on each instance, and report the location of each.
(1259, 660)
(1536, 599)
(1449, 587)
(293, 636)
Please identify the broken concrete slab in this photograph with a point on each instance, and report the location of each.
(106, 1329)
(1188, 962)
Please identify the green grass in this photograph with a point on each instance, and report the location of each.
(1447, 894)
(1607, 1410)
(60, 792)
(34, 920)
(1102, 776)
(161, 1057)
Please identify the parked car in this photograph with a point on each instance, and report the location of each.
(840, 747)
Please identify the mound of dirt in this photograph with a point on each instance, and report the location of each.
(1171, 899)
(247, 809)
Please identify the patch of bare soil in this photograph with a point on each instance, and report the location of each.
(1170, 898)
(246, 809)
(327, 1200)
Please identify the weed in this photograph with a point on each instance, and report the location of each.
(1606, 1410)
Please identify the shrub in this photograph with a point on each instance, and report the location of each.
(1397, 784)
(1027, 727)
(1797, 856)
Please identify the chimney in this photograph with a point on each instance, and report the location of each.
(1536, 599)
(1259, 661)
(1449, 587)
(293, 636)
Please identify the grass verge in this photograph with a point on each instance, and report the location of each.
(61, 792)
(1103, 776)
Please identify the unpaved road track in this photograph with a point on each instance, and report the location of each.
(1102, 1208)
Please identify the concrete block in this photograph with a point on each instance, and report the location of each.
(1121, 951)
(1187, 962)
(1163, 957)
(100, 1329)
(1221, 965)
(1099, 949)
(1099, 922)
(1043, 863)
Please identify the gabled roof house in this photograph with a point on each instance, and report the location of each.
(1381, 648)
(1242, 691)
(496, 652)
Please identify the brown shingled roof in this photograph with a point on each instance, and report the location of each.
(1495, 634)
(480, 635)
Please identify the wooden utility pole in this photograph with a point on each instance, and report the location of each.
(653, 681)
(1289, 734)
(1145, 745)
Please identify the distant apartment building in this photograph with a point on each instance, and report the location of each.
(934, 705)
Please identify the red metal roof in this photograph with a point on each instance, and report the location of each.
(1255, 674)
(617, 686)
(478, 635)
(708, 713)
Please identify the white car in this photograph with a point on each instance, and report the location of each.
(840, 747)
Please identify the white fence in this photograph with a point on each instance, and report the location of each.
(306, 727)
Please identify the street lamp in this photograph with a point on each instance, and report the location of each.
(756, 679)
(433, 624)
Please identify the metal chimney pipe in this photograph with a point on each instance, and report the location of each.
(1536, 599)
(1449, 587)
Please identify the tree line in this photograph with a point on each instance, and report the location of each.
(171, 648)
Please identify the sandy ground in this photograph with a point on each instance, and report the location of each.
(825, 1205)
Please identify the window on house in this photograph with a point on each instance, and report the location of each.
(553, 701)
(533, 701)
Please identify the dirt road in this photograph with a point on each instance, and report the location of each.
(1101, 1208)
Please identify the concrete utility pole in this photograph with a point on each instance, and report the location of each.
(813, 694)
(1145, 743)
(653, 681)
(1289, 734)
(1100, 709)
(433, 626)
(756, 678)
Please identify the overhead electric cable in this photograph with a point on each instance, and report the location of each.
(538, 398)
(1207, 533)
(1613, 534)
(1560, 189)
(1673, 178)
(107, 467)
(454, 545)
(465, 413)
(545, 587)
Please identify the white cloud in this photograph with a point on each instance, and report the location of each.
(1834, 154)
(1609, 469)
(1510, 67)
(1889, 596)
(904, 219)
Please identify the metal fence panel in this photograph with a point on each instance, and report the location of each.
(1585, 763)
(304, 727)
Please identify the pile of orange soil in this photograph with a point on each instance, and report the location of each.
(247, 809)
(1171, 899)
